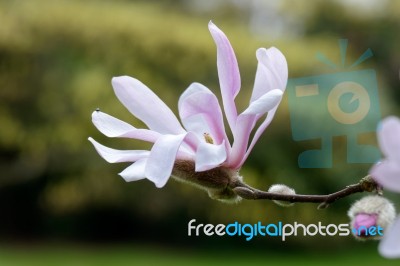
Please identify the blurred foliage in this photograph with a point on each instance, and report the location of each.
(118, 255)
(56, 62)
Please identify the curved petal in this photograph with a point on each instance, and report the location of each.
(387, 174)
(162, 158)
(189, 146)
(118, 156)
(135, 171)
(265, 103)
(209, 156)
(228, 73)
(146, 105)
(113, 127)
(258, 133)
(196, 124)
(244, 126)
(272, 72)
(389, 247)
(389, 138)
(246, 122)
(199, 110)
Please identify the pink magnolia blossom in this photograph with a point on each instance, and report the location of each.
(387, 174)
(201, 138)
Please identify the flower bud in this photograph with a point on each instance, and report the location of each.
(284, 190)
(370, 217)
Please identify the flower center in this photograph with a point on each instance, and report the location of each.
(208, 138)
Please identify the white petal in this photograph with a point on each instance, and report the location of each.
(113, 127)
(389, 247)
(162, 158)
(244, 127)
(272, 72)
(200, 112)
(389, 138)
(245, 124)
(194, 88)
(146, 105)
(196, 124)
(209, 156)
(265, 103)
(258, 133)
(228, 73)
(135, 171)
(118, 156)
(387, 174)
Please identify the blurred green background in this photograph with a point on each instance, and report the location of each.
(61, 204)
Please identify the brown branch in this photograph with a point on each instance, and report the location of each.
(366, 184)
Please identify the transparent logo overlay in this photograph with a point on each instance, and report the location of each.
(279, 229)
(338, 104)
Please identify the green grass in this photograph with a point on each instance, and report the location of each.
(78, 255)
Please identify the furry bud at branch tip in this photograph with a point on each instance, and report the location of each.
(284, 190)
(370, 217)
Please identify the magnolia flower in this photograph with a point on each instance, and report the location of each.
(198, 150)
(387, 174)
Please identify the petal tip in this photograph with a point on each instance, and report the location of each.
(123, 177)
(126, 178)
(95, 114)
(211, 24)
(121, 80)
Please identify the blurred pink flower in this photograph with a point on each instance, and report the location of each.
(202, 138)
(387, 174)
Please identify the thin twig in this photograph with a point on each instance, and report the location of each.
(366, 184)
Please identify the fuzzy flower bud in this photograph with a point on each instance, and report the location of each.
(284, 190)
(370, 217)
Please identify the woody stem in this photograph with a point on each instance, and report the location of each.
(366, 184)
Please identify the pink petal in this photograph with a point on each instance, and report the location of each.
(228, 73)
(364, 219)
(258, 133)
(200, 112)
(272, 72)
(389, 138)
(389, 247)
(146, 105)
(209, 156)
(246, 122)
(264, 103)
(118, 156)
(113, 127)
(387, 174)
(197, 124)
(134, 172)
(162, 157)
(244, 126)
